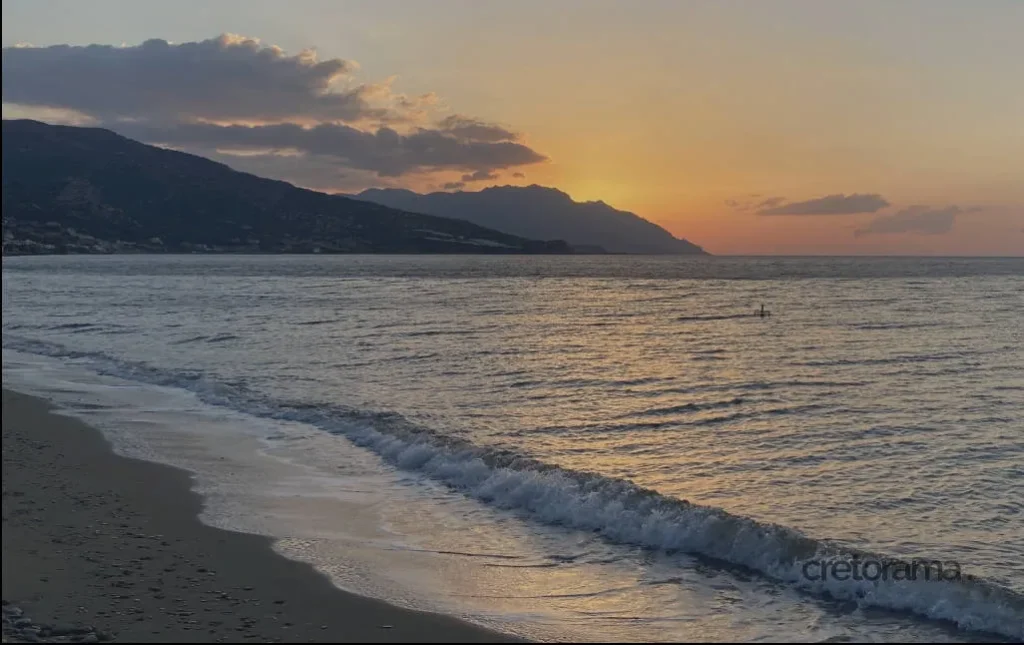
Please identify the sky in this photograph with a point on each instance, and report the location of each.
(794, 127)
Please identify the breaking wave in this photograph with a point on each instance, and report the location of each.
(618, 510)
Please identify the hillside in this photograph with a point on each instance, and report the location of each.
(89, 190)
(543, 213)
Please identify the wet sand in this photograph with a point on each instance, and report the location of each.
(114, 544)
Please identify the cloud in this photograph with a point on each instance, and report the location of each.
(235, 95)
(454, 185)
(518, 175)
(471, 129)
(915, 219)
(745, 204)
(771, 203)
(384, 151)
(229, 77)
(480, 175)
(308, 171)
(828, 205)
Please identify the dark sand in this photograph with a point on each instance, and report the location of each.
(96, 539)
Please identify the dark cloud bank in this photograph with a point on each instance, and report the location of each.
(383, 151)
(233, 94)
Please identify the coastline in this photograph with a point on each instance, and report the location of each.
(93, 538)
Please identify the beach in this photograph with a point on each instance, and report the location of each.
(98, 547)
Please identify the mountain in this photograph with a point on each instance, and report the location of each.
(545, 213)
(89, 190)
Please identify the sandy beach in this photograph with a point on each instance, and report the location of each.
(99, 547)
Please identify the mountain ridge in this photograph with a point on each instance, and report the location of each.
(540, 210)
(70, 189)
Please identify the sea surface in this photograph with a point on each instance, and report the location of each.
(594, 448)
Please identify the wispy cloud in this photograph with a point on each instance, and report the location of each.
(472, 129)
(771, 202)
(915, 219)
(753, 202)
(829, 205)
(480, 175)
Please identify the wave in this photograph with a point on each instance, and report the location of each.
(439, 332)
(685, 407)
(895, 325)
(703, 318)
(888, 360)
(539, 565)
(106, 329)
(464, 554)
(220, 338)
(748, 386)
(586, 382)
(673, 421)
(699, 358)
(617, 510)
(185, 341)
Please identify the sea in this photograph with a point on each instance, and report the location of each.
(589, 448)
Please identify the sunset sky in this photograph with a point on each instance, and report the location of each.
(767, 127)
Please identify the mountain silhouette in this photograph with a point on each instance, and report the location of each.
(88, 190)
(542, 213)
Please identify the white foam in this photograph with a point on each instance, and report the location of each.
(324, 502)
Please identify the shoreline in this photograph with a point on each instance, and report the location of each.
(91, 538)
